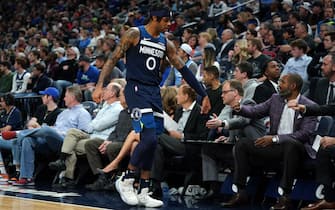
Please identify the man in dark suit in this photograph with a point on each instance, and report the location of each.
(290, 133)
(227, 44)
(240, 129)
(191, 126)
(325, 168)
(322, 91)
(265, 90)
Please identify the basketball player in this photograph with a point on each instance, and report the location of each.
(145, 48)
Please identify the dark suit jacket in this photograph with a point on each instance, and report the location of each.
(242, 127)
(264, 91)
(316, 110)
(195, 127)
(318, 90)
(228, 47)
(303, 127)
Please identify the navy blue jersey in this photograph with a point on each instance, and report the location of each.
(143, 60)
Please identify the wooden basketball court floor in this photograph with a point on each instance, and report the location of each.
(14, 203)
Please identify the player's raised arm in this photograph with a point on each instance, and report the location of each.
(130, 38)
(179, 64)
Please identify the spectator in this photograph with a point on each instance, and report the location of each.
(227, 45)
(10, 120)
(211, 79)
(75, 116)
(175, 78)
(6, 77)
(84, 41)
(265, 90)
(97, 148)
(287, 135)
(191, 125)
(240, 129)
(299, 61)
(257, 59)
(21, 77)
(317, 90)
(236, 56)
(39, 81)
(100, 127)
(325, 154)
(301, 32)
(216, 8)
(96, 35)
(243, 73)
(60, 54)
(208, 60)
(87, 76)
(66, 73)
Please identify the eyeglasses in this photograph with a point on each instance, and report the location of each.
(226, 91)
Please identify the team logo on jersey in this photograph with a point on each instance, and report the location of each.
(136, 114)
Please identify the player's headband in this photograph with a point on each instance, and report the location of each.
(161, 13)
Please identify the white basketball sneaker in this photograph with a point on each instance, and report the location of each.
(126, 190)
(144, 199)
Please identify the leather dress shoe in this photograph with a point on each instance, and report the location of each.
(58, 165)
(322, 204)
(237, 200)
(282, 204)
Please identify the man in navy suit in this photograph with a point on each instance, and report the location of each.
(289, 140)
(325, 168)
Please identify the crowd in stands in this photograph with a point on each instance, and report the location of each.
(250, 64)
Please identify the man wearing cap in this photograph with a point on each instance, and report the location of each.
(87, 76)
(45, 114)
(49, 139)
(145, 47)
(175, 78)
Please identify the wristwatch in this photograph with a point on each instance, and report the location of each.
(275, 139)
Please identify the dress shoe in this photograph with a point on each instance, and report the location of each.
(237, 200)
(282, 204)
(322, 204)
(58, 165)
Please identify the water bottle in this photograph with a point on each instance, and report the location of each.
(165, 189)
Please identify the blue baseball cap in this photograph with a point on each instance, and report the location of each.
(51, 91)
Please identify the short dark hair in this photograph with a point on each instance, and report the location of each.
(39, 67)
(257, 42)
(295, 15)
(8, 99)
(236, 85)
(300, 44)
(186, 89)
(213, 70)
(36, 53)
(332, 35)
(253, 32)
(6, 64)
(294, 78)
(245, 66)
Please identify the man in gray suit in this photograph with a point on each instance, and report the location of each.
(289, 140)
(240, 129)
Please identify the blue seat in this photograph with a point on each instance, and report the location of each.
(90, 106)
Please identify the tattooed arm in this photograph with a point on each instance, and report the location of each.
(130, 38)
(179, 64)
